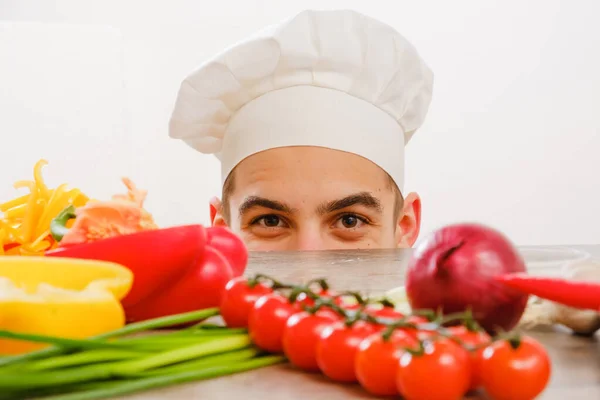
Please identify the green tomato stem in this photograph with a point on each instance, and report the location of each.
(385, 302)
(402, 323)
(274, 283)
(359, 299)
(322, 282)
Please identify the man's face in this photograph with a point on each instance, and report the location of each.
(311, 198)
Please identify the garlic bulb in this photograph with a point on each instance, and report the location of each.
(582, 322)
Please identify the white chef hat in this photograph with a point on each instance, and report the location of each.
(334, 79)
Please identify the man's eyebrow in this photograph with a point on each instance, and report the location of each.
(255, 201)
(364, 199)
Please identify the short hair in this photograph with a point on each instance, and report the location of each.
(229, 187)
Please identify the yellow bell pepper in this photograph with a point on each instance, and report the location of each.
(62, 297)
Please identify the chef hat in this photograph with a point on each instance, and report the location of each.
(334, 79)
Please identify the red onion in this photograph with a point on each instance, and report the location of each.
(453, 268)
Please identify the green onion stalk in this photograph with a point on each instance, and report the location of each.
(115, 363)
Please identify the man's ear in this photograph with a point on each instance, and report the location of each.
(216, 212)
(409, 223)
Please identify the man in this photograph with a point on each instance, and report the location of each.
(309, 119)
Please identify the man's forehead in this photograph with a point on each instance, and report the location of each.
(310, 163)
(306, 178)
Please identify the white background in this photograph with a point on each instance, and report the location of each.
(512, 139)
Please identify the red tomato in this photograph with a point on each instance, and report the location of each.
(337, 347)
(472, 338)
(385, 312)
(267, 320)
(528, 366)
(377, 361)
(442, 372)
(300, 337)
(375, 311)
(238, 299)
(475, 339)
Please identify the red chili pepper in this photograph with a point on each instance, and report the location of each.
(571, 293)
(175, 269)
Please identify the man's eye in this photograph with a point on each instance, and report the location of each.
(350, 221)
(269, 221)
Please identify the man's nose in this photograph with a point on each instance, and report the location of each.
(310, 239)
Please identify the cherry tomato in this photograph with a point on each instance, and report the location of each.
(475, 339)
(442, 372)
(528, 366)
(377, 360)
(384, 312)
(300, 337)
(238, 299)
(337, 347)
(267, 320)
(469, 337)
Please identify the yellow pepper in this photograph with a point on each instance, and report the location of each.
(63, 297)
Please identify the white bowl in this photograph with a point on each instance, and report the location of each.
(550, 261)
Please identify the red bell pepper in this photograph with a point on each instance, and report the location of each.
(176, 269)
(228, 244)
(577, 294)
(196, 288)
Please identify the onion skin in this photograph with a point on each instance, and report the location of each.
(452, 270)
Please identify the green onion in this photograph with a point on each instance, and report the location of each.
(82, 358)
(215, 332)
(162, 341)
(18, 380)
(204, 362)
(216, 346)
(154, 382)
(68, 344)
(157, 323)
(114, 363)
(164, 322)
(14, 379)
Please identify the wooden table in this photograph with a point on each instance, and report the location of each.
(576, 360)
